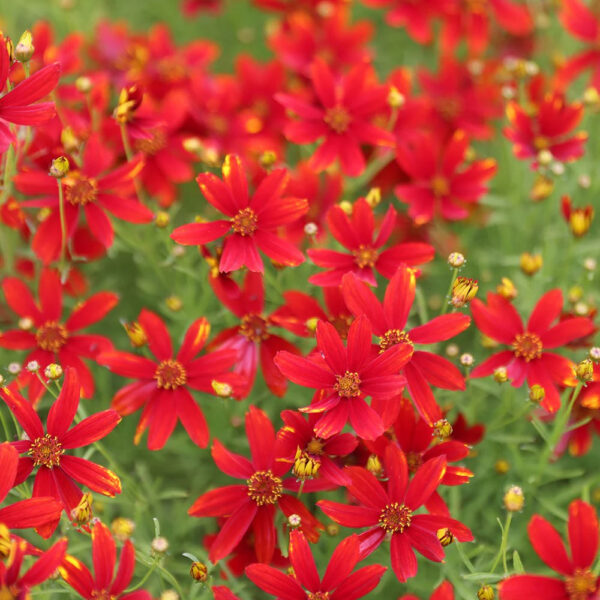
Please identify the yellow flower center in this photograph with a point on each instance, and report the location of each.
(170, 375)
(157, 142)
(414, 461)
(318, 596)
(51, 336)
(395, 517)
(245, 222)
(581, 584)
(254, 327)
(440, 186)
(46, 451)
(365, 256)
(527, 345)
(79, 189)
(264, 487)
(315, 446)
(347, 385)
(338, 118)
(392, 337)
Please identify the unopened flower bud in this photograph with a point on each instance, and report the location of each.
(591, 97)
(193, 145)
(24, 49)
(306, 466)
(542, 188)
(14, 368)
(501, 466)
(595, 354)
(585, 370)
(514, 499)
(53, 371)
(294, 521)
(466, 360)
(311, 228)
(221, 388)
(26, 323)
(584, 181)
(169, 595)
(332, 529)
(464, 290)
(557, 168)
(82, 513)
(161, 219)
(501, 375)
(485, 592)
(456, 260)
(59, 167)
(373, 197)
(346, 206)
(531, 263)
(159, 545)
(544, 157)
(136, 334)
(174, 303)
(5, 541)
(442, 429)
(536, 393)
(374, 465)
(69, 140)
(452, 350)
(199, 571)
(445, 536)
(590, 264)
(395, 97)
(267, 159)
(122, 528)
(506, 288)
(84, 84)
(33, 366)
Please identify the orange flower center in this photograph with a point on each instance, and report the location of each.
(338, 118)
(79, 189)
(254, 327)
(581, 584)
(157, 142)
(315, 446)
(318, 596)
(527, 345)
(51, 336)
(245, 222)
(264, 487)
(46, 451)
(102, 595)
(440, 186)
(395, 517)
(365, 256)
(348, 385)
(541, 143)
(476, 6)
(392, 337)
(414, 461)
(170, 374)
(8, 592)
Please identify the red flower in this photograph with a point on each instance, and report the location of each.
(58, 472)
(388, 320)
(444, 591)
(343, 114)
(49, 338)
(253, 219)
(578, 581)
(547, 127)
(440, 183)
(17, 106)
(35, 512)
(163, 385)
(356, 234)
(252, 339)
(253, 504)
(86, 192)
(338, 583)
(14, 586)
(528, 359)
(105, 583)
(391, 512)
(345, 376)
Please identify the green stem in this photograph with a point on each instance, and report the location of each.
(446, 304)
(143, 580)
(48, 388)
(63, 225)
(372, 169)
(503, 545)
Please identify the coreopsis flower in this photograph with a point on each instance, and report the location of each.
(14, 585)
(388, 320)
(444, 591)
(528, 357)
(342, 116)
(546, 128)
(50, 339)
(91, 190)
(299, 445)
(472, 22)
(357, 234)
(20, 105)
(253, 339)
(578, 219)
(345, 376)
(163, 386)
(440, 183)
(59, 473)
(252, 506)
(577, 581)
(253, 219)
(34, 512)
(104, 583)
(581, 21)
(465, 433)
(338, 582)
(389, 512)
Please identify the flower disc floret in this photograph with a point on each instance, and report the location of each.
(254, 327)
(338, 118)
(581, 584)
(264, 487)
(527, 346)
(79, 189)
(170, 374)
(365, 256)
(395, 517)
(392, 337)
(245, 222)
(318, 596)
(46, 451)
(51, 336)
(348, 385)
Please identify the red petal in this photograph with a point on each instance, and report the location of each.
(24, 413)
(422, 396)
(235, 179)
(499, 323)
(50, 291)
(99, 224)
(9, 459)
(277, 249)
(303, 562)
(232, 464)
(348, 515)
(545, 312)
(359, 584)
(548, 545)
(159, 340)
(91, 429)
(233, 531)
(583, 533)
(342, 562)
(396, 468)
(97, 478)
(567, 331)
(261, 438)
(425, 481)
(34, 512)
(440, 329)
(331, 347)
(404, 561)
(303, 371)
(222, 502)
(275, 582)
(91, 310)
(265, 534)
(194, 234)
(192, 418)
(125, 570)
(44, 566)
(366, 488)
(104, 555)
(17, 340)
(63, 411)
(128, 365)
(366, 422)
(527, 587)
(195, 338)
(438, 371)
(362, 301)
(20, 299)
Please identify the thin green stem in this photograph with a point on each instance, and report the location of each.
(63, 225)
(446, 304)
(503, 544)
